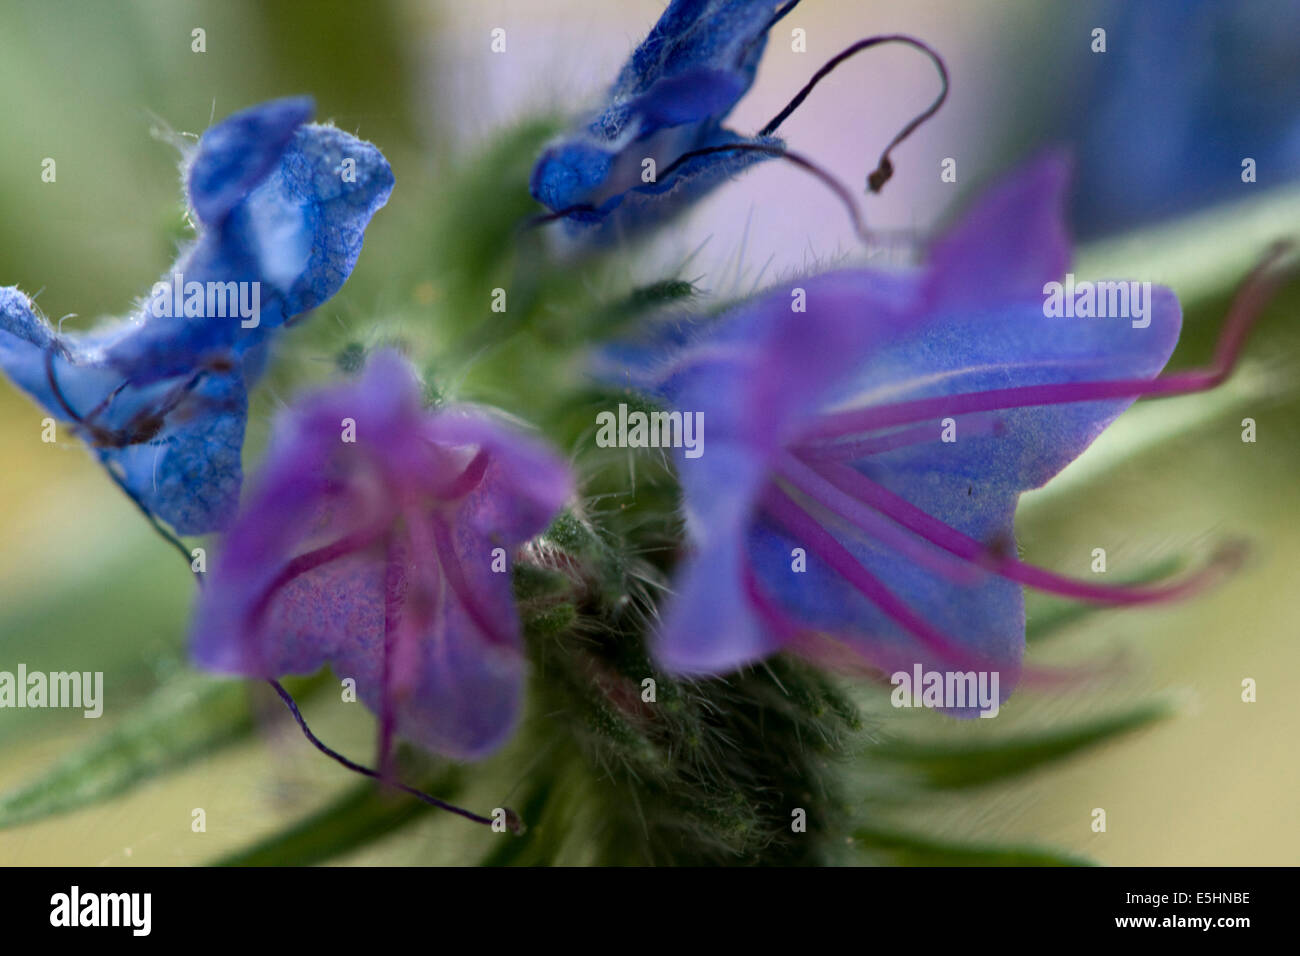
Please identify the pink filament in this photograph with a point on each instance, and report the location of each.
(480, 616)
(858, 448)
(854, 484)
(1253, 294)
(812, 482)
(806, 529)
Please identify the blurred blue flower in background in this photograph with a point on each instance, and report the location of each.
(1186, 90)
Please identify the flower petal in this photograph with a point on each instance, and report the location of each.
(1008, 244)
(669, 99)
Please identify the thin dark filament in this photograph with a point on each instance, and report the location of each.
(543, 218)
(885, 167)
(163, 532)
(374, 774)
(841, 191)
(780, 15)
(57, 389)
(158, 526)
(145, 427)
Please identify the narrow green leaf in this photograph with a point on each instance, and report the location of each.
(186, 718)
(964, 764)
(1201, 255)
(364, 813)
(181, 721)
(907, 849)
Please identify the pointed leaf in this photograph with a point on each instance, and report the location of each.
(364, 813)
(181, 721)
(905, 849)
(951, 765)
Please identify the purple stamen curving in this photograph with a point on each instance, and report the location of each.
(871, 521)
(1256, 290)
(858, 448)
(806, 529)
(859, 488)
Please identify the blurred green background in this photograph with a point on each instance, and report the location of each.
(85, 585)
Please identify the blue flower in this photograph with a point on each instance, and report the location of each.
(864, 457)
(161, 397)
(386, 557)
(669, 100)
(1186, 90)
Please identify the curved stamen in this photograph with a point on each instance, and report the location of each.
(162, 531)
(779, 15)
(309, 561)
(839, 189)
(855, 449)
(107, 400)
(783, 509)
(863, 490)
(57, 389)
(761, 35)
(512, 821)
(871, 522)
(885, 167)
(456, 579)
(1254, 293)
(468, 479)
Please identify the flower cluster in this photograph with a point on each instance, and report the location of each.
(870, 432)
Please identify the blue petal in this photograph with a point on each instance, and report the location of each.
(296, 232)
(709, 625)
(1016, 449)
(282, 208)
(190, 474)
(985, 618)
(240, 152)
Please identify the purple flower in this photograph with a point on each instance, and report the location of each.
(378, 541)
(669, 101)
(864, 457)
(162, 397)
